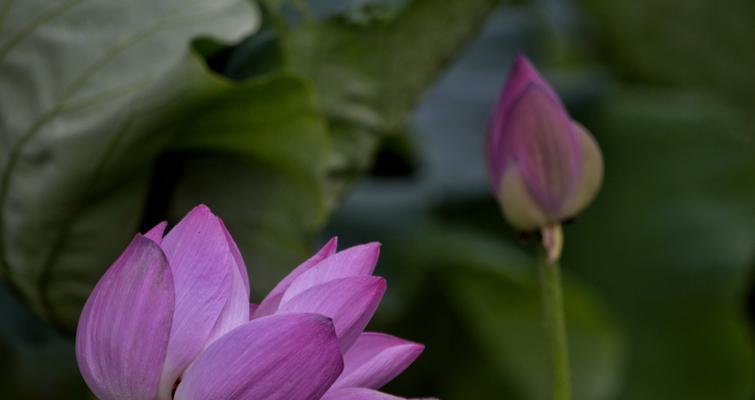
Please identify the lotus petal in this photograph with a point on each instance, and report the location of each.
(278, 357)
(354, 261)
(156, 233)
(210, 297)
(271, 302)
(358, 394)
(350, 302)
(375, 359)
(123, 332)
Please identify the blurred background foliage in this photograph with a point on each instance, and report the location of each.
(298, 120)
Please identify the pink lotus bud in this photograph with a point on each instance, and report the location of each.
(543, 167)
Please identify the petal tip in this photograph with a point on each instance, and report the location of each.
(201, 209)
(524, 69)
(417, 349)
(522, 60)
(157, 232)
(373, 249)
(143, 240)
(379, 284)
(331, 246)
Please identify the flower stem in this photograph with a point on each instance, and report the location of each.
(553, 310)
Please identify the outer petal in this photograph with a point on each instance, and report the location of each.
(522, 74)
(156, 233)
(358, 394)
(531, 129)
(375, 359)
(211, 299)
(350, 302)
(518, 206)
(270, 303)
(123, 332)
(592, 173)
(362, 394)
(237, 309)
(544, 144)
(354, 261)
(279, 357)
(236, 253)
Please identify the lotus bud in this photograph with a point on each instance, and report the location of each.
(543, 167)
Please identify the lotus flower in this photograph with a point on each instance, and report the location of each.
(171, 319)
(543, 167)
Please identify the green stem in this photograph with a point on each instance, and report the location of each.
(555, 325)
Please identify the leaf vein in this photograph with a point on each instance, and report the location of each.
(60, 107)
(34, 25)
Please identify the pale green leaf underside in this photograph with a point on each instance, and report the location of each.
(88, 88)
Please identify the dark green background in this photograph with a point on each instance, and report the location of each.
(365, 119)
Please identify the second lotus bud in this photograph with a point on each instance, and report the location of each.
(543, 167)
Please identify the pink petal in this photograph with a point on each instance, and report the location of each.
(522, 74)
(279, 357)
(211, 297)
(156, 233)
(530, 128)
(363, 394)
(123, 331)
(375, 359)
(350, 302)
(236, 311)
(354, 261)
(270, 303)
(244, 273)
(542, 141)
(358, 394)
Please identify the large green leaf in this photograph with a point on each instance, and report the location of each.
(92, 91)
(369, 77)
(287, 176)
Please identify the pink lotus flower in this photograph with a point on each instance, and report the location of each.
(171, 319)
(543, 167)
